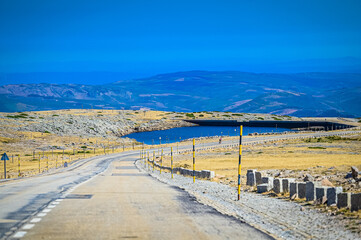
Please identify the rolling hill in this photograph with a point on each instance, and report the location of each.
(302, 94)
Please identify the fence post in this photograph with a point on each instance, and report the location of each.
(153, 159)
(161, 162)
(171, 161)
(39, 163)
(19, 164)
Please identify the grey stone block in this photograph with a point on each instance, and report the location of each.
(269, 181)
(355, 201)
(286, 184)
(321, 192)
(332, 195)
(251, 178)
(277, 185)
(301, 189)
(261, 188)
(311, 190)
(258, 176)
(293, 189)
(344, 200)
(207, 174)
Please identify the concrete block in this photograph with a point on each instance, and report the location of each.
(286, 184)
(269, 181)
(207, 174)
(311, 190)
(258, 176)
(355, 201)
(321, 192)
(332, 195)
(344, 200)
(293, 189)
(251, 178)
(301, 189)
(261, 188)
(277, 185)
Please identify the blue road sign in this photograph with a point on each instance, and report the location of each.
(4, 157)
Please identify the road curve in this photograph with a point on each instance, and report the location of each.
(106, 197)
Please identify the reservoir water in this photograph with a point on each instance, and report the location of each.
(179, 134)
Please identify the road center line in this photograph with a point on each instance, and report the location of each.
(19, 234)
(28, 226)
(35, 220)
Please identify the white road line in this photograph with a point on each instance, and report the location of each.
(28, 226)
(55, 203)
(35, 220)
(19, 234)
(47, 210)
(59, 200)
(41, 214)
(51, 206)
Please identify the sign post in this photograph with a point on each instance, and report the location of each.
(5, 158)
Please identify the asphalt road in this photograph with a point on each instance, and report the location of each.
(114, 201)
(125, 203)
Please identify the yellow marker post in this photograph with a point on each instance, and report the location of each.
(239, 161)
(171, 161)
(39, 163)
(161, 163)
(19, 164)
(148, 161)
(194, 160)
(47, 163)
(153, 159)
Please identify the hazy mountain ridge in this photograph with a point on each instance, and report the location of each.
(303, 94)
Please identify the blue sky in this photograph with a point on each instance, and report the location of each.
(140, 38)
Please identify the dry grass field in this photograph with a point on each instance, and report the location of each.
(327, 157)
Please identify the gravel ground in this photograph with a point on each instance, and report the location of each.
(277, 217)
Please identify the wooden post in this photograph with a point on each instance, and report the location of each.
(39, 163)
(19, 164)
(171, 161)
(161, 163)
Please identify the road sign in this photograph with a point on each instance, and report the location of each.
(4, 157)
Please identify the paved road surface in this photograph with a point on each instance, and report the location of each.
(125, 203)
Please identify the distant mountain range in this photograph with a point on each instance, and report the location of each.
(301, 94)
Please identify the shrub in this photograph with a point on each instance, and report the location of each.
(316, 147)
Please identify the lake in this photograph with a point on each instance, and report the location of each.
(179, 134)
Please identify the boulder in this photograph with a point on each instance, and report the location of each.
(308, 178)
(326, 183)
(354, 172)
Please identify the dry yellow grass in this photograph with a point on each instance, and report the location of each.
(291, 155)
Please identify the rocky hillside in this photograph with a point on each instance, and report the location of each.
(303, 94)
